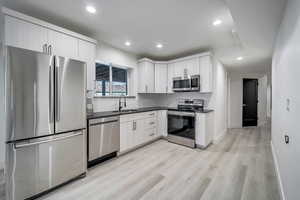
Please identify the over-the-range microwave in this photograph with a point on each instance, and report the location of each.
(189, 84)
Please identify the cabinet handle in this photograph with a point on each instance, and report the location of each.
(50, 49)
(152, 134)
(45, 48)
(134, 126)
(151, 123)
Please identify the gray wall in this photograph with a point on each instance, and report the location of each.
(2, 120)
(285, 86)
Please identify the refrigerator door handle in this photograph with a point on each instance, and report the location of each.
(51, 110)
(34, 109)
(57, 89)
(18, 146)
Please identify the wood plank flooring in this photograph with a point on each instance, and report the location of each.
(240, 167)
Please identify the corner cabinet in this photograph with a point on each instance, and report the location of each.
(160, 77)
(146, 73)
(26, 32)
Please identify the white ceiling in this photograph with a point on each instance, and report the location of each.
(182, 26)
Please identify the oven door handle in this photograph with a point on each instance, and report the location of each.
(187, 114)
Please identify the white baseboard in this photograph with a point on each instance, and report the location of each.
(282, 195)
(220, 137)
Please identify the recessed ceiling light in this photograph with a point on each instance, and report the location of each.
(217, 22)
(240, 58)
(159, 46)
(127, 43)
(90, 9)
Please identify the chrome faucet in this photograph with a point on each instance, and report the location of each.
(120, 103)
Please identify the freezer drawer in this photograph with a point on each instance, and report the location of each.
(104, 137)
(38, 165)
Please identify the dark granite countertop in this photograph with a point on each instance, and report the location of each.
(139, 110)
(116, 113)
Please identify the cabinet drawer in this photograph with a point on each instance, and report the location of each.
(150, 134)
(150, 123)
(137, 116)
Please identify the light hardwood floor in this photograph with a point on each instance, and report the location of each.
(239, 167)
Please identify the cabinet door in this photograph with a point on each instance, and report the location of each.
(171, 68)
(63, 44)
(192, 66)
(87, 53)
(126, 137)
(146, 77)
(162, 123)
(206, 74)
(161, 78)
(178, 70)
(138, 132)
(25, 35)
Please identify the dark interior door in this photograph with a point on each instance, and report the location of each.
(250, 100)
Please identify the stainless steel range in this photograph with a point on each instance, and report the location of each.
(181, 122)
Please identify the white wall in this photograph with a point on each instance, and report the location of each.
(2, 117)
(262, 108)
(285, 85)
(219, 100)
(235, 103)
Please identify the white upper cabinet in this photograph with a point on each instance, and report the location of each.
(161, 78)
(62, 44)
(171, 68)
(146, 74)
(87, 53)
(192, 66)
(25, 35)
(206, 74)
(26, 32)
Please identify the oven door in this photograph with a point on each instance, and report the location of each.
(181, 128)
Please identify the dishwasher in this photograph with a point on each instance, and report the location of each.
(103, 139)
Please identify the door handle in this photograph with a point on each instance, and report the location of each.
(51, 111)
(57, 87)
(18, 146)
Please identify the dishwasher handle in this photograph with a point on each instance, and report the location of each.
(107, 122)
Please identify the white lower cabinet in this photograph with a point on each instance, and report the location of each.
(204, 129)
(138, 129)
(162, 123)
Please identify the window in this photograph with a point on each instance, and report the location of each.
(111, 81)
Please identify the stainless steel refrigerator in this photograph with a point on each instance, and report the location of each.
(46, 122)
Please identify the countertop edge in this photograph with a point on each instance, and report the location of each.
(104, 114)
